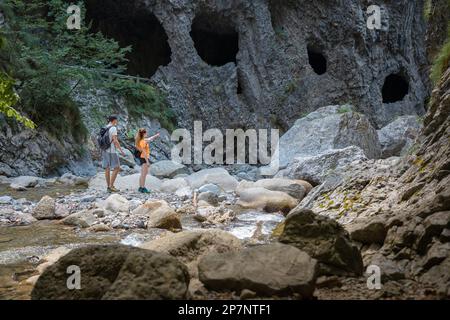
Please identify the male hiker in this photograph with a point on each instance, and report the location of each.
(109, 144)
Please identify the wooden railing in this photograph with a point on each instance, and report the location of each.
(111, 74)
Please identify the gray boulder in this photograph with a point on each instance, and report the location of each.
(26, 181)
(316, 169)
(439, 277)
(190, 246)
(167, 169)
(127, 159)
(272, 269)
(217, 176)
(209, 198)
(17, 187)
(263, 199)
(328, 128)
(295, 188)
(115, 272)
(325, 240)
(82, 219)
(172, 185)
(71, 179)
(159, 213)
(210, 188)
(432, 226)
(116, 203)
(10, 217)
(6, 200)
(368, 230)
(45, 209)
(398, 137)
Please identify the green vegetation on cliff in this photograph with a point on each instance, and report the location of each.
(144, 100)
(8, 98)
(442, 61)
(48, 62)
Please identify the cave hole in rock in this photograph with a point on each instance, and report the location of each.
(395, 88)
(317, 60)
(239, 88)
(239, 84)
(135, 26)
(215, 39)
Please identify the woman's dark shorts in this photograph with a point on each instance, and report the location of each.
(141, 161)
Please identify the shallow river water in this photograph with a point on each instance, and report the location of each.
(21, 247)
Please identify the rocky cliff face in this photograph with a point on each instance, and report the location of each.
(398, 209)
(253, 64)
(265, 63)
(37, 153)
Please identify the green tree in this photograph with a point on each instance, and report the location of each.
(8, 98)
(49, 61)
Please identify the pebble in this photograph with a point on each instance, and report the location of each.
(88, 198)
(247, 294)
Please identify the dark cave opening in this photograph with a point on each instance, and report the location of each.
(131, 25)
(239, 88)
(215, 39)
(317, 60)
(395, 88)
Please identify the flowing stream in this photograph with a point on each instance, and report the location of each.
(21, 247)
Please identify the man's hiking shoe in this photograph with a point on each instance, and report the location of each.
(113, 190)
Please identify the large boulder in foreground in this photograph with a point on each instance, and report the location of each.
(190, 246)
(160, 214)
(272, 269)
(328, 128)
(263, 199)
(115, 272)
(325, 240)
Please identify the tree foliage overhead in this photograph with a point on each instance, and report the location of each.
(49, 61)
(41, 52)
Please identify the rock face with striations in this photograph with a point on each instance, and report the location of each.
(244, 64)
(276, 60)
(267, 62)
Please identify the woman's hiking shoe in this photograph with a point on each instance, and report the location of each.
(143, 190)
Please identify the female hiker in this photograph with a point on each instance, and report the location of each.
(142, 145)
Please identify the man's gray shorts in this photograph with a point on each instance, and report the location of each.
(110, 160)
